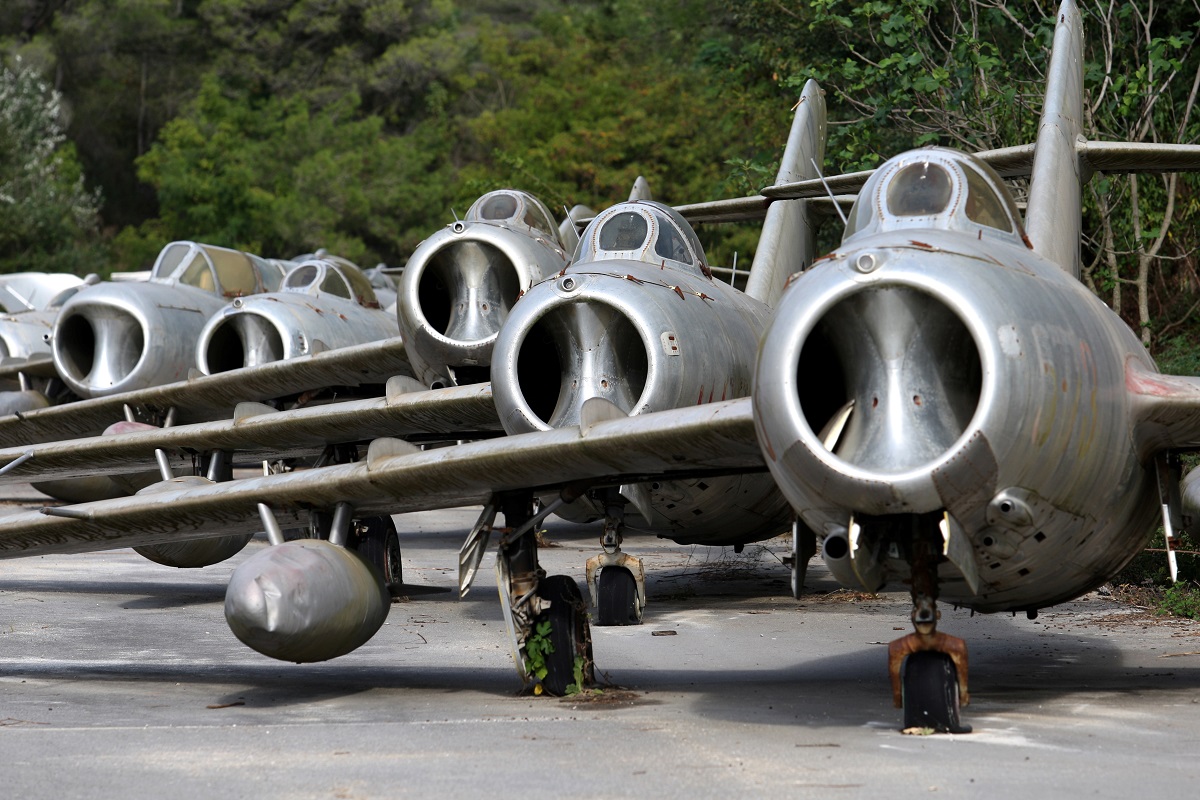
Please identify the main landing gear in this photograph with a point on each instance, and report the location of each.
(928, 669)
(616, 580)
(804, 547)
(545, 615)
(375, 539)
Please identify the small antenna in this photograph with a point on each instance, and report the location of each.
(454, 213)
(733, 272)
(825, 183)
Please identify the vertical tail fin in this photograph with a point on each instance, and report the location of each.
(1053, 219)
(786, 243)
(641, 190)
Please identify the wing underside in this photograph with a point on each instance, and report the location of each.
(213, 396)
(259, 432)
(716, 438)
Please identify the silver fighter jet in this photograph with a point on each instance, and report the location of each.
(459, 284)
(939, 398)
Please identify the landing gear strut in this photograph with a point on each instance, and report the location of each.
(546, 616)
(804, 547)
(928, 669)
(619, 592)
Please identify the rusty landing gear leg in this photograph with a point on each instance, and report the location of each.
(928, 669)
(616, 580)
(545, 615)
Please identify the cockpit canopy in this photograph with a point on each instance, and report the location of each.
(642, 231)
(333, 276)
(224, 272)
(935, 187)
(514, 208)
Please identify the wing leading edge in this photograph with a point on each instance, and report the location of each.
(258, 432)
(213, 396)
(712, 438)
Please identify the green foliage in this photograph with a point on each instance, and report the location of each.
(576, 686)
(48, 218)
(537, 647)
(1181, 600)
(1179, 355)
(1149, 568)
(278, 177)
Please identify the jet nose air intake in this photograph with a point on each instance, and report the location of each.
(241, 340)
(98, 346)
(577, 351)
(909, 366)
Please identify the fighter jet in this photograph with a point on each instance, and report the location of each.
(939, 397)
(323, 304)
(459, 284)
(983, 428)
(119, 337)
(31, 301)
(637, 324)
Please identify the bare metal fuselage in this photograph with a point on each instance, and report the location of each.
(987, 383)
(646, 339)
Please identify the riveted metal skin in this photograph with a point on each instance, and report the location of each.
(280, 325)
(986, 382)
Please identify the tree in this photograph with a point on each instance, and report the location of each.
(48, 218)
(277, 177)
(903, 73)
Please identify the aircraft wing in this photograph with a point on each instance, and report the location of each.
(39, 365)
(715, 438)
(259, 432)
(1009, 162)
(212, 396)
(1167, 409)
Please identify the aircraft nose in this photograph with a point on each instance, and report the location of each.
(98, 346)
(466, 289)
(573, 352)
(243, 339)
(865, 398)
(908, 365)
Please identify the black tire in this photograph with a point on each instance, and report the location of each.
(376, 541)
(930, 685)
(616, 592)
(570, 634)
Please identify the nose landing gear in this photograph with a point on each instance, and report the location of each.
(928, 669)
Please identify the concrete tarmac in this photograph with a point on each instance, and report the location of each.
(119, 678)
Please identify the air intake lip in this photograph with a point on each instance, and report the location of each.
(909, 365)
(465, 289)
(575, 351)
(243, 339)
(98, 346)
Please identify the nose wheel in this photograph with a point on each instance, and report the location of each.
(928, 669)
(561, 630)
(616, 580)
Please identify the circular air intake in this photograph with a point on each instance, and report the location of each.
(576, 351)
(99, 346)
(242, 340)
(908, 364)
(466, 289)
